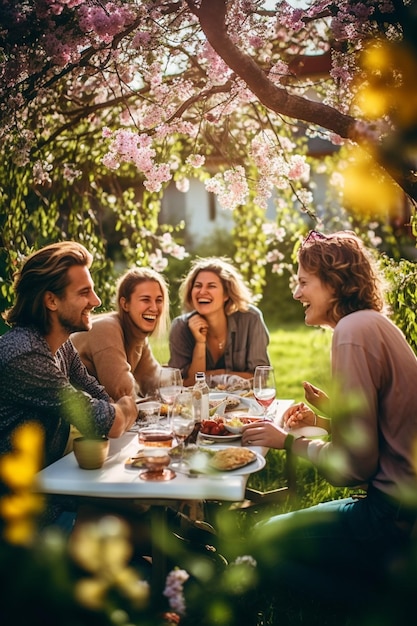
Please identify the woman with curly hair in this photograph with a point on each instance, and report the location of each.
(221, 331)
(345, 546)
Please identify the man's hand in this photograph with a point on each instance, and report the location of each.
(126, 414)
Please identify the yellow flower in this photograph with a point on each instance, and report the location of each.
(91, 592)
(132, 587)
(18, 469)
(17, 505)
(101, 546)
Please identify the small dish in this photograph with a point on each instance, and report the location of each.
(236, 423)
(223, 438)
(149, 412)
(308, 431)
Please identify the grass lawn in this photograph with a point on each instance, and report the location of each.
(297, 353)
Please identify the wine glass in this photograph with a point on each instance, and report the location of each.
(170, 383)
(182, 420)
(264, 387)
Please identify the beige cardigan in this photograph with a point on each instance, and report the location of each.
(120, 358)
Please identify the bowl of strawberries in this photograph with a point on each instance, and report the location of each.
(215, 428)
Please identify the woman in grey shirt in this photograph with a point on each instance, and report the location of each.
(221, 331)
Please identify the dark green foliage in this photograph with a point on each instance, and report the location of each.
(402, 296)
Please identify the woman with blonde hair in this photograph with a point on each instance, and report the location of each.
(221, 331)
(116, 350)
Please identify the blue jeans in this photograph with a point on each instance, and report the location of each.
(65, 521)
(336, 548)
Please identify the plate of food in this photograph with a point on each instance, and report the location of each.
(137, 461)
(233, 460)
(230, 383)
(236, 460)
(233, 403)
(214, 429)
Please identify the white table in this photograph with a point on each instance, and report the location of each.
(114, 480)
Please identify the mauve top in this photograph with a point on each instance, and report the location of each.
(374, 423)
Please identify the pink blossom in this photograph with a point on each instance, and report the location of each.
(157, 261)
(183, 185)
(152, 116)
(213, 185)
(179, 252)
(141, 39)
(336, 140)
(255, 41)
(278, 71)
(290, 17)
(70, 172)
(217, 70)
(273, 232)
(174, 589)
(111, 161)
(40, 172)
(196, 160)
(232, 188)
(104, 21)
(274, 255)
(58, 50)
(298, 168)
(166, 241)
(169, 246)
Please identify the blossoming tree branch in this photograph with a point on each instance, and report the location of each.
(102, 105)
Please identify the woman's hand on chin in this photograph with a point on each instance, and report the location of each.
(199, 327)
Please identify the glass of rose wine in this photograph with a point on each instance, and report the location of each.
(264, 387)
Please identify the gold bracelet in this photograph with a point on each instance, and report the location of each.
(315, 419)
